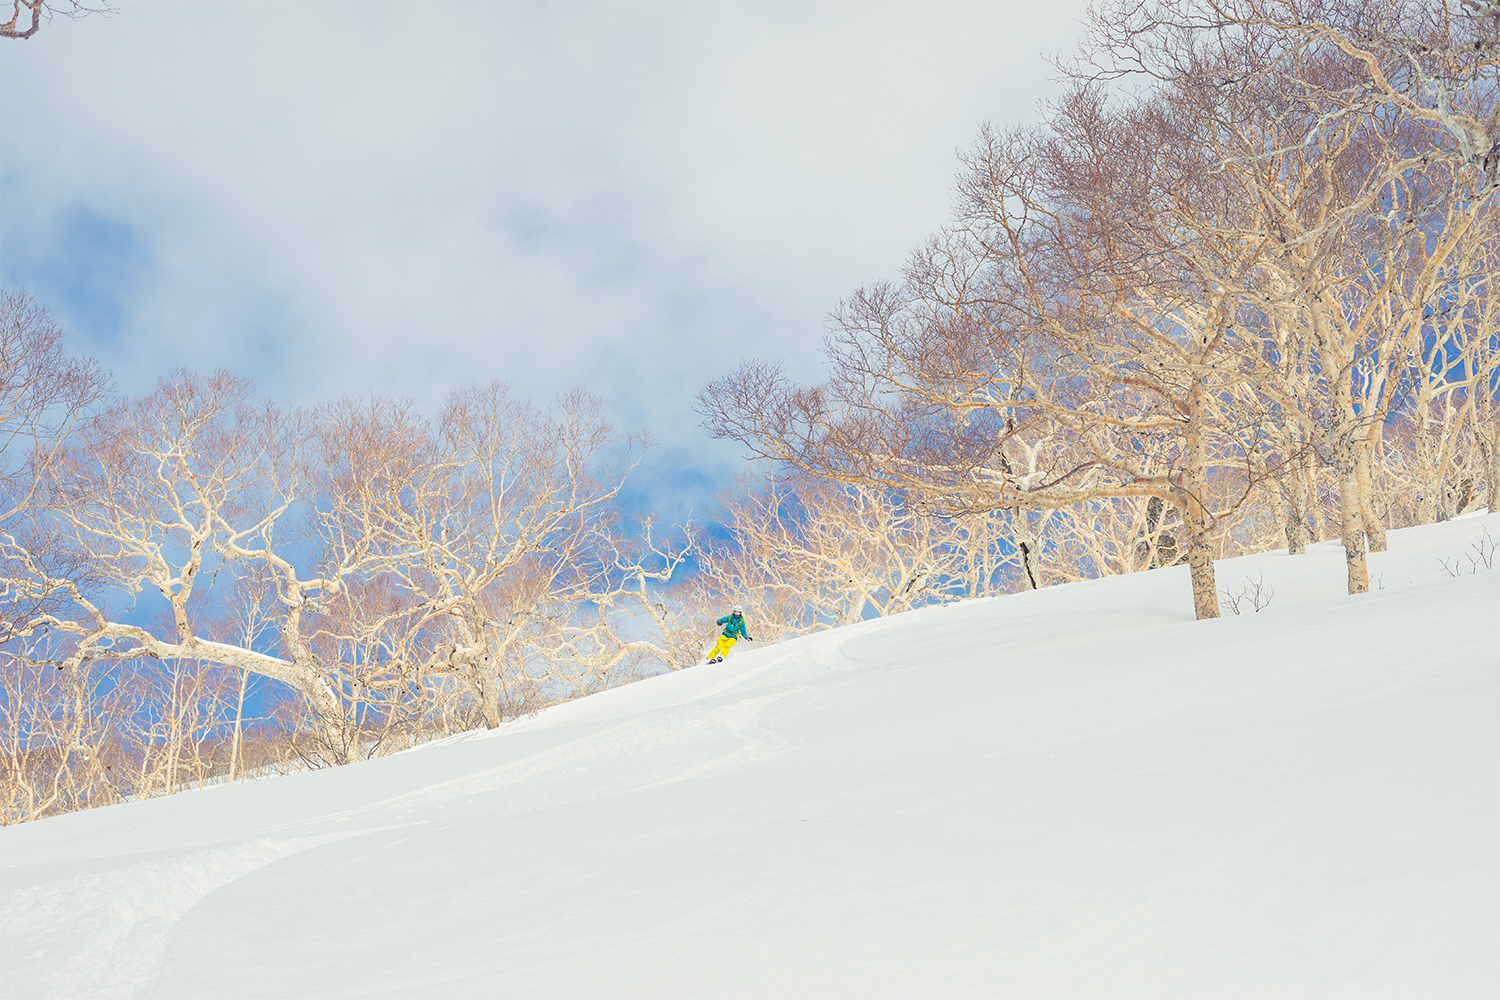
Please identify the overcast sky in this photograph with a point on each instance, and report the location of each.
(331, 199)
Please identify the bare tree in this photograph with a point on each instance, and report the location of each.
(990, 564)
(189, 479)
(485, 527)
(1452, 365)
(246, 619)
(807, 554)
(1345, 299)
(376, 553)
(60, 739)
(44, 393)
(1328, 61)
(1070, 337)
(1359, 140)
(626, 618)
(173, 728)
(40, 9)
(1484, 417)
(1470, 329)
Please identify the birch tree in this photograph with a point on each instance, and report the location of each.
(628, 612)
(22, 27)
(1077, 313)
(1364, 137)
(59, 739)
(44, 393)
(484, 523)
(807, 554)
(1453, 363)
(1328, 61)
(1362, 255)
(160, 492)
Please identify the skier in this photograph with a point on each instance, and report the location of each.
(734, 628)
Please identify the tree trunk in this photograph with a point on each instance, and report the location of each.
(1465, 495)
(339, 739)
(1487, 437)
(1314, 501)
(1296, 507)
(1201, 568)
(174, 737)
(1194, 482)
(1373, 528)
(856, 610)
(1491, 455)
(489, 691)
(236, 765)
(1431, 485)
(1025, 539)
(490, 706)
(1351, 525)
(338, 736)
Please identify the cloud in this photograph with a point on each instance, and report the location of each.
(334, 198)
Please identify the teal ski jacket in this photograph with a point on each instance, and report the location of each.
(734, 627)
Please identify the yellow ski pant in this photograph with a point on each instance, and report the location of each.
(722, 646)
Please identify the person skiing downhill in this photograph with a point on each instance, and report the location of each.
(734, 629)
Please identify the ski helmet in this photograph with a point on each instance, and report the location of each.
(737, 610)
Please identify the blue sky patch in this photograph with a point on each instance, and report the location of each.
(84, 264)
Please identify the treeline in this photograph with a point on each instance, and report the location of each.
(1236, 293)
(397, 576)
(1245, 271)
(384, 577)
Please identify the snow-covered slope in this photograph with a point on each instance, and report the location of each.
(1075, 792)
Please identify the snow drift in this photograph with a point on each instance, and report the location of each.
(1073, 792)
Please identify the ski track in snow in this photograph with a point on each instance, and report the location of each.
(103, 934)
(676, 744)
(118, 921)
